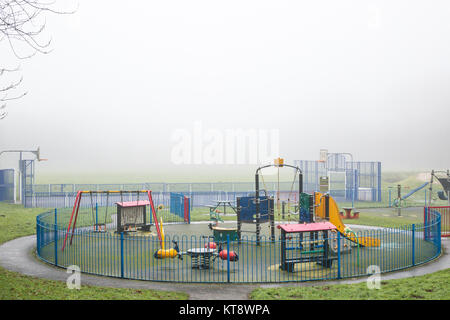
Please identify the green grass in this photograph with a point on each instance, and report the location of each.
(386, 217)
(432, 286)
(14, 286)
(16, 221)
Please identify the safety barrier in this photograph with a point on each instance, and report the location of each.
(134, 257)
(444, 212)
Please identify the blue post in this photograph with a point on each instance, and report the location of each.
(413, 231)
(354, 187)
(438, 235)
(56, 237)
(189, 210)
(38, 231)
(228, 258)
(390, 198)
(121, 255)
(339, 254)
(96, 214)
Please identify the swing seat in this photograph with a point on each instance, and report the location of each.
(441, 195)
(99, 228)
(215, 217)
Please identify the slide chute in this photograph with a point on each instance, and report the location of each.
(335, 218)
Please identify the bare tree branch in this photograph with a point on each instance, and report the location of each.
(22, 24)
(3, 111)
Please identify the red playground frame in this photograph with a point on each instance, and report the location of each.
(76, 208)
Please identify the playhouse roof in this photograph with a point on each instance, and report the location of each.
(307, 227)
(133, 203)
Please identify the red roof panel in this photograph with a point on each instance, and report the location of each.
(305, 227)
(133, 203)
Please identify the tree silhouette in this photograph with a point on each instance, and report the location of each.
(22, 25)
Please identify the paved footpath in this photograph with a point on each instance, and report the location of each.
(18, 256)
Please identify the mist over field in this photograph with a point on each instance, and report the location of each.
(150, 91)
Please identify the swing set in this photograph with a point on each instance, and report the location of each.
(130, 215)
(293, 198)
(445, 183)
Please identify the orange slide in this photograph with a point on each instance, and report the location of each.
(335, 219)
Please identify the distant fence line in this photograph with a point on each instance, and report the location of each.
(202, 193)
(170, 187)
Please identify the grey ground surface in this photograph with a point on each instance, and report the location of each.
(18, 255)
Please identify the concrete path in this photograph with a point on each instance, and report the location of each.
(18, 256)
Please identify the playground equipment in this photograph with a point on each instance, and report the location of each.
(98, 227)
(326, 208)
(445, 183)
(131, 216)
(201, 257)
(294, 239)
(132, 256)
(311, 248)
(251, 210)
(220, 233)
(167, 253)
(214, 212)
(400, 200)
(349, 214)
(223, 254)
(260, 208)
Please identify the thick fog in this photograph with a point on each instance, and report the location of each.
(157, 87)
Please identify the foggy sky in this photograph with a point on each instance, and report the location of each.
(366, 77)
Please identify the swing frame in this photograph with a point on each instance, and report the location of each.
(98, 227)
(441, 181)
(76, 207)
(278, 163)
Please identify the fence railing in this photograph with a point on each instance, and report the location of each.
(66, 199)
(135, 257)
(444, 212)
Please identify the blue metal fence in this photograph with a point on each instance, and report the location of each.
(63, 195)
(133, 257)
(180, 205)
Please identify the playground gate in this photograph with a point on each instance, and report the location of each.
(180, 205)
